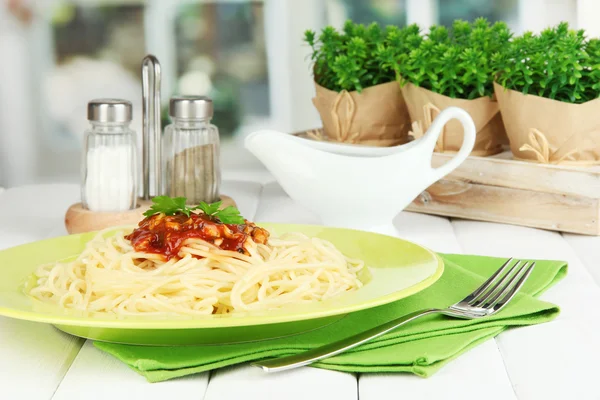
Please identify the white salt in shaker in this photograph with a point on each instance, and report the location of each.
(109, 163)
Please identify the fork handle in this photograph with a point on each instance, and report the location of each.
(329, 350)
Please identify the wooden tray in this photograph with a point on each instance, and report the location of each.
(80, 220)
(501, 189)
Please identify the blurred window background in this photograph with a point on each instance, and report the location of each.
(248, 56)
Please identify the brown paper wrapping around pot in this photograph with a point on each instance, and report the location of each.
(550, 131)
(424, 105)
(376, 117)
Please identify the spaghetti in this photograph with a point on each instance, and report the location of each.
(188, 273)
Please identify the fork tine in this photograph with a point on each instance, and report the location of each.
(485, 295)
(505, 287)
(487, 283)
(511, 293)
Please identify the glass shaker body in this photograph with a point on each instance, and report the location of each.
(109, 167)
(191, 160)
(191, 151)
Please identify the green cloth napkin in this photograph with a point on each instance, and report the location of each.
(421, 347)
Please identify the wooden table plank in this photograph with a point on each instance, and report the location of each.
(522, 242)
(431, 231)
(588, 251)
(34, 357)
(95, 375)
(276, 206)
(471, 376)
(48, 202)
(553, 360)
(261, 176)
(246, 382)
(246, 195)
(31, 213)
(557, 360)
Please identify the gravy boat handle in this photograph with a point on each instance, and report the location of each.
(435, 130)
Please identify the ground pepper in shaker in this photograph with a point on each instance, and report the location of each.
(109, 162)
(191, 151)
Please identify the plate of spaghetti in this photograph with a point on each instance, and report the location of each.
(206, 275)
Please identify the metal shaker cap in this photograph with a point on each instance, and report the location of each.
(109, 110)
(191, 107)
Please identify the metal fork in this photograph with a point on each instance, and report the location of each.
(486, 300)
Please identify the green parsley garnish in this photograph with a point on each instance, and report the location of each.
(168, 206)
(172, 205)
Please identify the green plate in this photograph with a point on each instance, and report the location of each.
(396, 269)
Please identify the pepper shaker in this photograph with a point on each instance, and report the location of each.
(191, 151)
(109, 162)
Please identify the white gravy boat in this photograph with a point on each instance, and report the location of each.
(359, 187)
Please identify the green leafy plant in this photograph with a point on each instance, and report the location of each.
(360, 56)
(456, 62)
(174, 205)
(559, 64)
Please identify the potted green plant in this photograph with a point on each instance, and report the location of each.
(357, 95)
(548, 87)
(454, 68)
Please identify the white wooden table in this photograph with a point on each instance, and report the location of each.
(558, 360)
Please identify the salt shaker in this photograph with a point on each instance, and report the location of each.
(191, 151)
(109, 162)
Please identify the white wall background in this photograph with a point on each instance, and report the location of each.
(17, 110)
(27, 53)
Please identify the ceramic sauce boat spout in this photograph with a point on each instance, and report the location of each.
(358, 188)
